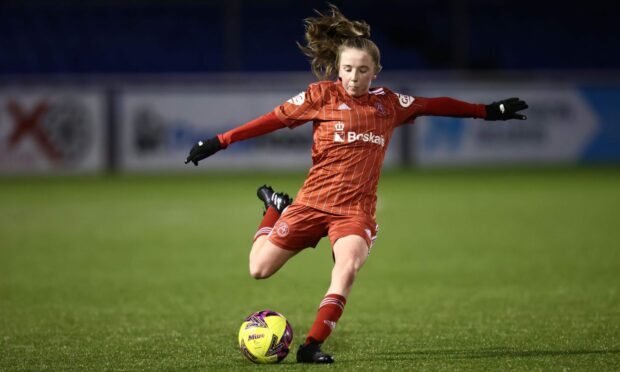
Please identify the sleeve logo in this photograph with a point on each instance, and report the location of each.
(405, 100)
(298, 100)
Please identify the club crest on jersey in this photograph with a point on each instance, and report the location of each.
(405, 100)
(298, 100)
(380, 109)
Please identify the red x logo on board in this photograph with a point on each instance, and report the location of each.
(28, 124)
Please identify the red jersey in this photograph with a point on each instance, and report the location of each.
(351, 136)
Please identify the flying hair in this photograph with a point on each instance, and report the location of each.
(328, 34)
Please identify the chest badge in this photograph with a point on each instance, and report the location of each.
(381, 111)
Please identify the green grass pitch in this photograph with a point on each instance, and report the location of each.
(473, 270)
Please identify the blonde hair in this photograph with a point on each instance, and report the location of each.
(328, 35)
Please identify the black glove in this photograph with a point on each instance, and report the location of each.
(506, 109)
(203, 149)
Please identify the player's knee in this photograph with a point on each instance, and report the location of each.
(259, 271)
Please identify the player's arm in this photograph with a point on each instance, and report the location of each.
(506, 109)
(296, 111)
(443, 106)
(257, 127)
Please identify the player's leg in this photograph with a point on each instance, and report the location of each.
(265, 257)
(350, 253)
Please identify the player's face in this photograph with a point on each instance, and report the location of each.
(356, 70)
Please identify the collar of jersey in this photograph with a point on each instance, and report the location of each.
(363, 99)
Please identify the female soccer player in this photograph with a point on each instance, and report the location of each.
(353, 124)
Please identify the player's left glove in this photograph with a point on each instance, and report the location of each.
(506, 109)
(203, 149)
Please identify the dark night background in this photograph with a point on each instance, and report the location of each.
(60, 37)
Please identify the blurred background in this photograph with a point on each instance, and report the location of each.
(498, 247)
(127, 86)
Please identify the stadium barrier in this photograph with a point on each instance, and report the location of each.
(48, 129)
(567, 123)
(135, 126)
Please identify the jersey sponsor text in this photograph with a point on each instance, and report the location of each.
(366, 137)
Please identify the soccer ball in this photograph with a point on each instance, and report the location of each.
(265, 337)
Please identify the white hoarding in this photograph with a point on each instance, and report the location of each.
(158, 127)
(51, 130)
(559, 126)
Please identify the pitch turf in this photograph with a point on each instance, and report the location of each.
(501, 270)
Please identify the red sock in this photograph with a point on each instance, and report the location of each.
(266, 225)
(330, 310)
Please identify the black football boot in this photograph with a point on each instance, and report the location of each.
(311, 353)
(277, 200)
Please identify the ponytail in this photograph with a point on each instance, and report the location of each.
(328, 34)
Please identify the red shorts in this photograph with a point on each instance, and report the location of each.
(301, 227)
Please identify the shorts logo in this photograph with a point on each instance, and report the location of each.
(282, 229)
(405, 100)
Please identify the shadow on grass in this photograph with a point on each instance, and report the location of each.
(451, 354)
(485, 353)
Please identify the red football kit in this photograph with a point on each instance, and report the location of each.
(350, 138)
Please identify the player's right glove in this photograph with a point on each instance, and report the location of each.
(203, 149)
(506, 109)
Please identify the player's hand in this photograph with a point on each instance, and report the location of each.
(506, 109)
(203, 149)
